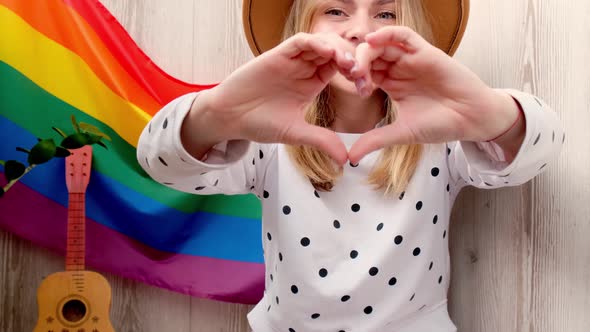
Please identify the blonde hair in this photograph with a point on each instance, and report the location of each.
(396, 164)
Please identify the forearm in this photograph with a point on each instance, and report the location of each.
(200, 130)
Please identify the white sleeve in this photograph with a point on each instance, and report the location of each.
(483, 165)
(231, 167)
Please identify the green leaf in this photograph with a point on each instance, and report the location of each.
(75, 124)
(75, 141)
(102, 144)
(18, 148)
(61, 152)
(42, 152)
(60, 132)
(93, 130)
(13, 170)
(93, 139)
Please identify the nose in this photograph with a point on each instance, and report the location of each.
(359, 26)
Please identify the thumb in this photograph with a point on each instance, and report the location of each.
(375, 139)
(320, 138)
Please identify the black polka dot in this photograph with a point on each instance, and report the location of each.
(411, 298)
(419, 205)
(470, 179)
(368, 310)
(392, 281)
(398, 239)
(200, 188)
(216, 183)
(315, 316)
(430, 267)
(345, 298)
(380, 227)
(537, 139)
(150, 128)
(401, 196)
(316, 194)
(323, 273)
(265, 194)
(271, 277)
(543, 166)
(286, 209)
(268, 236)
(373, 271)
(291, 330)
(277, 299)
(444, 234)
(354, 254)
(488, 184)
(294, 289)
(168, 183)
(434, 171)
(355, 207)
(439, 279)
(353, 165)
(163, 161)
(553, 137)
(336, 224)
(260, 154)
(563, 139)
(268, 309)
(305, 241)
(448, 151)
(280, 257)
(416, 252)
(165, 123)
(253, 161)
(448, 187)
(435, 219)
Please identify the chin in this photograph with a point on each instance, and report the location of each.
(341, 84)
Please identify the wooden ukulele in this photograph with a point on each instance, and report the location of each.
(75, 300)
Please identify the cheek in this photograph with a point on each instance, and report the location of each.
(322, 24)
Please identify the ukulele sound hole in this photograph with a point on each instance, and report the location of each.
(74, 310)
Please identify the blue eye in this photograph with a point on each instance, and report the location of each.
(335, 12)
(387, 15)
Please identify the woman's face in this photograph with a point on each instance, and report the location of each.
(352, 20)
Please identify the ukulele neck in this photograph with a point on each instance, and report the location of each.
(76, 235)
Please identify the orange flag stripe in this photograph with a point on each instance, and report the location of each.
(83, 41)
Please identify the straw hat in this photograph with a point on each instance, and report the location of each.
(264, 21)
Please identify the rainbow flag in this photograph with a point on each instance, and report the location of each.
(64, 57)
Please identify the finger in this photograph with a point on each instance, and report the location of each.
(380, 64)
(320, 138)
(402, 36)
(393, 134)
(327, 71)
(303, 42)
(365, 54)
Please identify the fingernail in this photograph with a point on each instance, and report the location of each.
(360, 83)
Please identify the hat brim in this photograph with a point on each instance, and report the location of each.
(264, 20)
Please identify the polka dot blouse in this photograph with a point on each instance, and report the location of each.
(350, 259)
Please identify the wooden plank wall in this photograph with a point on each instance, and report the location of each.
(521, 256)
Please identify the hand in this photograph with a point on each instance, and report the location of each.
(437, 98)
(265, 100)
